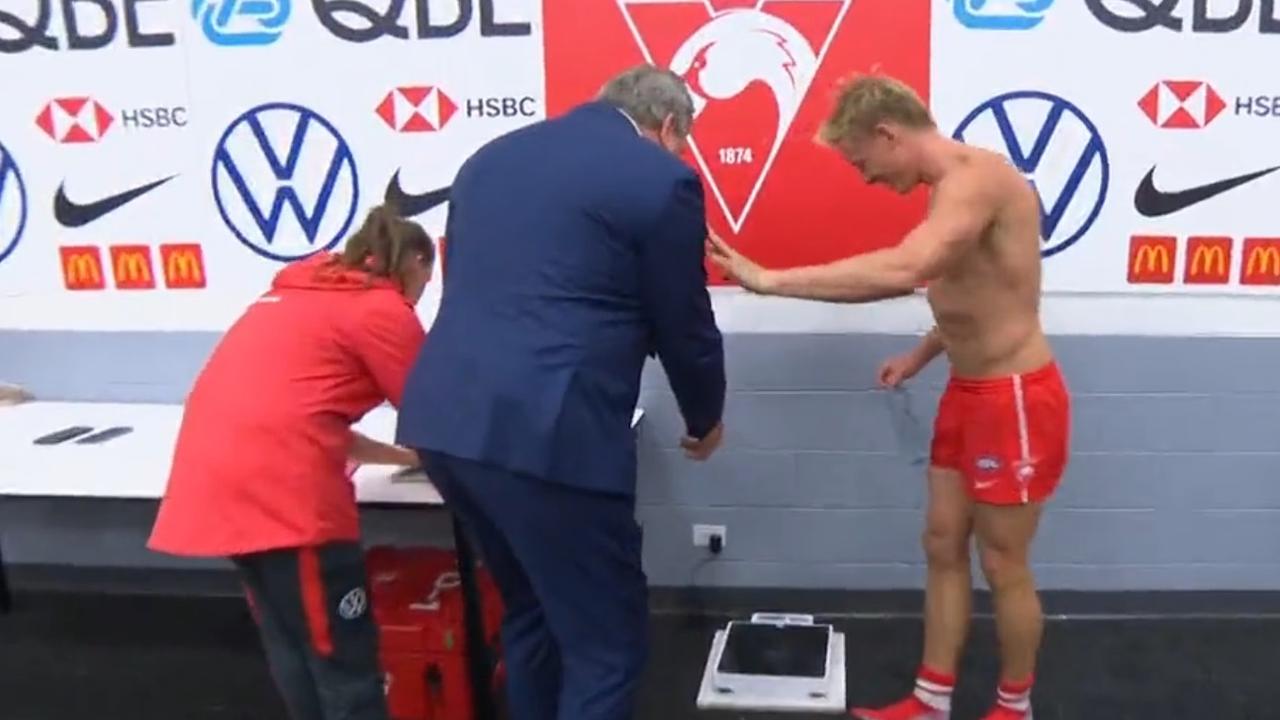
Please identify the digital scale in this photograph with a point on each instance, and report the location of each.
(775, 662)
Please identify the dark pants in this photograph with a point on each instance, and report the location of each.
(567, 563)
(312, 608)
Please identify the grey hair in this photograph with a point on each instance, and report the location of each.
(649, 94)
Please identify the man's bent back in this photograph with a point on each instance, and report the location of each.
(575, 249)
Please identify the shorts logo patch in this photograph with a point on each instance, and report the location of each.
(1026, 471)
(353, 604)
(987, 463)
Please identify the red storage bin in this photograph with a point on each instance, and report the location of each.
(417, 603)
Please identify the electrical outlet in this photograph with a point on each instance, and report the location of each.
(702, 535)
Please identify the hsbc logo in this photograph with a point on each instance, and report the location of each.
(1195, 104)
(83, 119)
(74, 120)
(417, 109)
(1182, 104)
(428, 108)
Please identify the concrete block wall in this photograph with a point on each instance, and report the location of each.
(1174, 483)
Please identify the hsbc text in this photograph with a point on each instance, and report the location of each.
(1259, 105)
(372, 24)
(154, 117)
(502, 107)
(1227, 15)
(89, 24)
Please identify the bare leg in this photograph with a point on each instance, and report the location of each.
(1004, 535)
(949, 588)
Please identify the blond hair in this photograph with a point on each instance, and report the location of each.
(865, 101)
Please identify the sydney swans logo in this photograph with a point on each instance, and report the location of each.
(748, 70)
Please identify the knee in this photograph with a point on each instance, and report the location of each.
(946, 547)
(1004, 567)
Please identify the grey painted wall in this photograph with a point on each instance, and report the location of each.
(1174, 483)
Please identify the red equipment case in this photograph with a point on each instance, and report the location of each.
(418, 606)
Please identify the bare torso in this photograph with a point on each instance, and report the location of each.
(987, 307)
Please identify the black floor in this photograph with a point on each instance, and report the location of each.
(65, 657)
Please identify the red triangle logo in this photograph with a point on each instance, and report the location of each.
(446, 107)
(103, 117)
(72, 106)
(414, 95)
(387, 110)
(1181, 119)
(77, 134)
(417, 123)
(1150, 104)
(749, 66)
(1182, 89)
(1213, 104)
(44, 120)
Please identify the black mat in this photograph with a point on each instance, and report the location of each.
(75, 657)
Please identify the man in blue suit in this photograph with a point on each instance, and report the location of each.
(576, 249)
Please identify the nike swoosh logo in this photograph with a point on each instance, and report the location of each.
(72, 214)
(1152, 202)
(411, 205)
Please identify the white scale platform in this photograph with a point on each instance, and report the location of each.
(775, 663)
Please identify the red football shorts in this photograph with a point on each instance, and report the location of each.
(1008, 437)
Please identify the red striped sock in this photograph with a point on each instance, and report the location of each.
(1015, 696)
(934, 688)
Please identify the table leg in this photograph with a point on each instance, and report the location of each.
(479, 664)
(6, 600)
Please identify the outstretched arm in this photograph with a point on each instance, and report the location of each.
(956, 221)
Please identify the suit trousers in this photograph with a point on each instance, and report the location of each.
(312, 610)
(567, 564)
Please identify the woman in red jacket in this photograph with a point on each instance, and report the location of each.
(259, 470)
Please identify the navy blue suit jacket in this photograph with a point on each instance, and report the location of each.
(574, 249)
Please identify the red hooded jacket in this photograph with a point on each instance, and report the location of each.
(261, 455)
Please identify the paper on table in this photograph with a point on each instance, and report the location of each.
(410, 475)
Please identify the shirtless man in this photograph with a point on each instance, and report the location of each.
(1000, 441)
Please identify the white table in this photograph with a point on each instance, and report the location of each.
(136, 466)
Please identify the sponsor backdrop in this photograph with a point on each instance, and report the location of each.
(160, 159)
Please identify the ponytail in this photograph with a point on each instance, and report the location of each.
(385, 245)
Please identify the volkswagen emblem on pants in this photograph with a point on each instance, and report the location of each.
(353, 604)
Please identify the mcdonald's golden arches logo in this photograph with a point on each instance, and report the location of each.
(82, 267)
(183, 266)
(1260, 262)
(1208, 260)
(1152, 259)
(131, 266)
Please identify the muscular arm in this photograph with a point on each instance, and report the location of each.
(960, 213)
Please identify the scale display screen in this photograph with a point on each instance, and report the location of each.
(786, 651)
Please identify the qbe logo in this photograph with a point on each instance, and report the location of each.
(241, 22)
(1060, 151)
(13, 203)
(1001, 14)
(285, 181)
